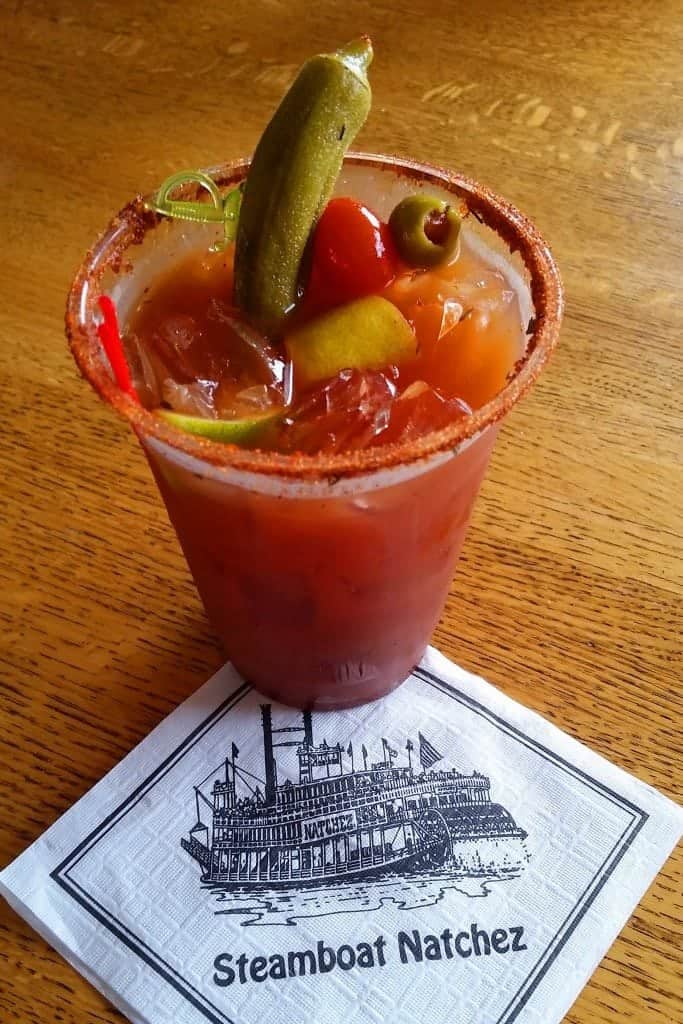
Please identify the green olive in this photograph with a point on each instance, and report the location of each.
(426, 230)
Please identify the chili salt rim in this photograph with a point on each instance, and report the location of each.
(131, 225)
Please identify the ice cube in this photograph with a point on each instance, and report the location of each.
(234, 401)
(259, 354)
(194, 399)
(419, 410)
(344, 413)
(259, 397)
(174, 341)
(142, 371)
(452, 313)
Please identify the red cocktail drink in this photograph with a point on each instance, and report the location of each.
(324, 593)
(324, 565)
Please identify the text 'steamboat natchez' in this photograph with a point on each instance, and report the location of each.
(335, 825)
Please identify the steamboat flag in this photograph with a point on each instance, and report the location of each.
(390, 750)
(429, 755)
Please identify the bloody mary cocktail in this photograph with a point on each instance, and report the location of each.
(319, 441)
(324, 575)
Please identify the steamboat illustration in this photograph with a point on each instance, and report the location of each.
(340, 825)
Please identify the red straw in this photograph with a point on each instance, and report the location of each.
(109, 335)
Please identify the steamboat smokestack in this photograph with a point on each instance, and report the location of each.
(268, 753)
(308, 729)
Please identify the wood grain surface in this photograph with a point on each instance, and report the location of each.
(569, 592)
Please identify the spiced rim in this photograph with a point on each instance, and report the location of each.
(131, 225)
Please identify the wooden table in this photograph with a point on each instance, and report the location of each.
(569, 592)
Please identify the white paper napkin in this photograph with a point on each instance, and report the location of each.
(443, 854)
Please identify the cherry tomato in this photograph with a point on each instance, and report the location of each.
(353, 254)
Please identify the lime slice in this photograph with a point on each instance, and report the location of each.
(237, 431)
(367, 334)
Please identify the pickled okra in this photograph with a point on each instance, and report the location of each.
(291, 177)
